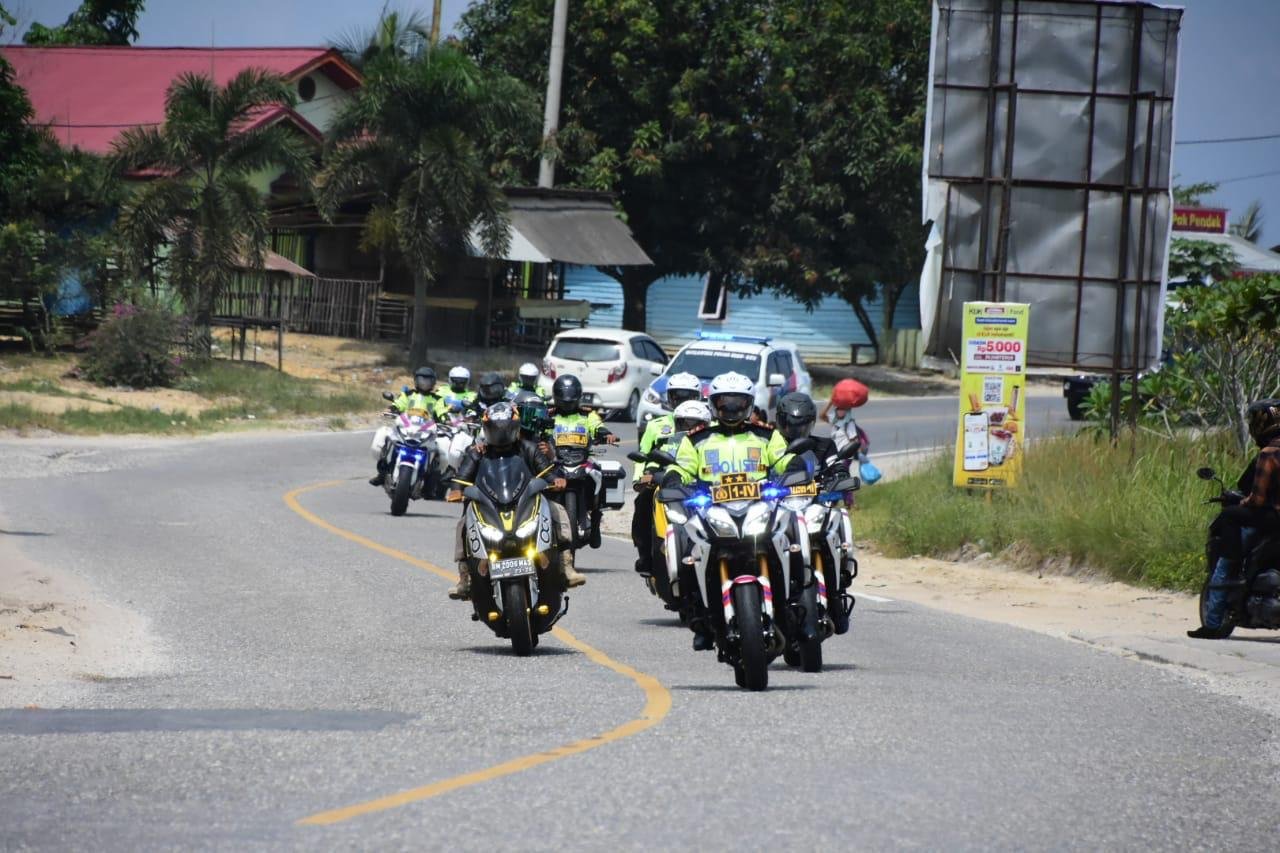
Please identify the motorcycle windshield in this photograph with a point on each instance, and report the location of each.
(503, 479)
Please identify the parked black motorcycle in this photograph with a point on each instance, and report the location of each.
(1253, 599)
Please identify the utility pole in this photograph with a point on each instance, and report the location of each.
(551, 115)
(435, 23)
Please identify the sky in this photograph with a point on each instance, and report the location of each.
(1228, 85)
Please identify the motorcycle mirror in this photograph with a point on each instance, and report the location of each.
(387, 395)
(847, 484)
(671, 495)
(661, 457)
(636, 456)
(848, 451)
(800, 445)
(1206, 474)
(794, 478)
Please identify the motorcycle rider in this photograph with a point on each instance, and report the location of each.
(423, 397)
(527, 380)
(681, 388)
(490, 391)
(795, 416)
(459, 396)
(501, 430)
(1257, 508)
(733, 445)
(568, 416)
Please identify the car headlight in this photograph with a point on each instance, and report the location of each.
(814, 515)
(651, 396)
(757, 521)
(675, 513)
(721, 522)
(528, 527)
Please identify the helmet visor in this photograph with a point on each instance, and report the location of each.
(501, 433)
(732, 409)
(676, 396)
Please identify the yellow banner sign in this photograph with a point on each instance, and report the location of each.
(993, 389)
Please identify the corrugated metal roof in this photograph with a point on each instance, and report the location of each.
(574, 227)
(823, 335)
(90, 95)
(1250, 257)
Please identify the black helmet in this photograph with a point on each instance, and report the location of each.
(424, 380)
(491, 389)
(795, 415)
(566, 392)
(501, 425)
(1264, 421)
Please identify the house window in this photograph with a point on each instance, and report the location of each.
(306, 88)
(714, 304)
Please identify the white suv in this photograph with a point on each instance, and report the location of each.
(773, 365)
(613, 365)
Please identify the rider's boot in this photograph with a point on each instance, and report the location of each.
(572, 577)
(1225, 576)
(461, 591)
(381, 476)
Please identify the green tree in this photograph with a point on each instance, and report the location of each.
(397, 35)
(770, 144)
(100, 22)
(414, 138)
(1200, 261)
(1192, 195)
(203, 207)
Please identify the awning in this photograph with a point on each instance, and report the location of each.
(570, 226)
(271, 262)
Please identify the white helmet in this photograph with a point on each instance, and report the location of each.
(528, 372)
(732, 396)
(692, 412)
(682, 387)
(459, 375)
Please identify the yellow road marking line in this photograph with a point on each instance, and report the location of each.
(656, 706)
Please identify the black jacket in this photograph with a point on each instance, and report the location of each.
(539, 463)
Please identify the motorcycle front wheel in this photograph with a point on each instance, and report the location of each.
(515, 607)
(753, 661)
(1228, 621)
(400, 497)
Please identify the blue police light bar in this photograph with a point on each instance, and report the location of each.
(704, 335)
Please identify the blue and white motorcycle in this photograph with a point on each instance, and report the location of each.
(410, 459)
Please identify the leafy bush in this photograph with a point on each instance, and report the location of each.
(133, 347)
(1134, 511)
(1225, 345)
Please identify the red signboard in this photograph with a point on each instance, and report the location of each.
(1201, 220)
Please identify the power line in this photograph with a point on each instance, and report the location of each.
(1248, 177)
(1228, 139)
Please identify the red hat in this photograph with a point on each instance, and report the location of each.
(848, 394)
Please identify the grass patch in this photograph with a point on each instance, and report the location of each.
(265, 392)
(1139, 518)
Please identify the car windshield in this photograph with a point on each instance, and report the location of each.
(710, 363)
(586, 349)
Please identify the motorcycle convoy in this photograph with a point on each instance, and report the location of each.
(743, 530)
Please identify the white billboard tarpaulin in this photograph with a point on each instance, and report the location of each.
(1047, 171)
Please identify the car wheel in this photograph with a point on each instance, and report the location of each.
(1075, 409)
(632, 409)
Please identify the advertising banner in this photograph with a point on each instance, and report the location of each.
(993, 394)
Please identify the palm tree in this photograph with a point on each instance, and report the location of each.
(415, 139)
(400, 34)
(203, 205)
(1249, 225)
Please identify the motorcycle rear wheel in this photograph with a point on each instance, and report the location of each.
(1228, 621)
(400, 497)
(515, 607)
(753, 660)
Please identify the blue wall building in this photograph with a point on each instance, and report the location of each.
(823, 335)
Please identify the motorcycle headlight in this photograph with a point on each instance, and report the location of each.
(721, 522)
(796, 504)
(528, 527)
(675, 514)
(814, 516)
(491, 534)
(651, 397)
(757, 521)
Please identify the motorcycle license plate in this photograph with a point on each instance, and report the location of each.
(571, 439)
(513, 568)
(735, 487)
(806, 491)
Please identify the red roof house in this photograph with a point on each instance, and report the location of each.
(89, 95)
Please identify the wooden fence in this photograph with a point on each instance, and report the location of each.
(341, 307)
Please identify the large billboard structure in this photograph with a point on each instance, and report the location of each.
(1047, 171)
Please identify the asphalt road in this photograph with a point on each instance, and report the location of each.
(309, 672)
